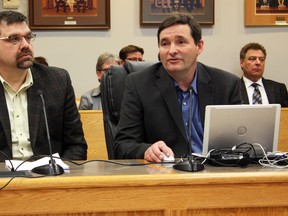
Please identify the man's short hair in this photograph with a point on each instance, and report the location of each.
(182, 19)
(129, 49)
(253, 46)
(105, 57)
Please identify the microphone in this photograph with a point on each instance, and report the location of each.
(51, 169)
(191, 165)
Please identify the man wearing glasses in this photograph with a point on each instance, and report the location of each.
(23, 86)
(131, 53)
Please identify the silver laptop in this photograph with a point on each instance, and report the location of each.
(230, 125)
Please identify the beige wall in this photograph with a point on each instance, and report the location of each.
(77, 51)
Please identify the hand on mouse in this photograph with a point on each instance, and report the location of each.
(154, 152)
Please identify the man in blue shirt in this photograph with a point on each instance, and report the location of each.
(155, 113)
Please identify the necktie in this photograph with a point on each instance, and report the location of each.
(256, 97)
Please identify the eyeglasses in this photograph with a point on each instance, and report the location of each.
(135, 59)
(16, 39)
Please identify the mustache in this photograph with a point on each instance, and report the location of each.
(24, 52)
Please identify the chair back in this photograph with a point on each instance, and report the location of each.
(112, 90)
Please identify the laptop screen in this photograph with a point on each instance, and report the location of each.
(227, 126)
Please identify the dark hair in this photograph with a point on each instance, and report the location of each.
(253, 46)
(182, 19)
(12, 17)
(41, 60)
(129, 49)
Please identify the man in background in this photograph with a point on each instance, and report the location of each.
(255, 89)
(41, 60)
(131, 53)
(23, 83)
(91, 100)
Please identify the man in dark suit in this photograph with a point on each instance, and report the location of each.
(252, 62)
(155, 113)
(22, 126)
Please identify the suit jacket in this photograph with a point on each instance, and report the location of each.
(65, 127)
(276, 92)
(151, 112)
(91, 100)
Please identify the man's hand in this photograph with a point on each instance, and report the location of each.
(154, 152)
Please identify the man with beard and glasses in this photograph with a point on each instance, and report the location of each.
(23, 83)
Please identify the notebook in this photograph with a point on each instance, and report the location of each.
(230, 125)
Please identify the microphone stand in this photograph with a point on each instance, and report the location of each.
(51, 169)
(191, 165)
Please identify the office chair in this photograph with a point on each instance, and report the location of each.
(112, 90)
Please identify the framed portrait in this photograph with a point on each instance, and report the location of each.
(153, 12)
(266, 12)
(69, 14)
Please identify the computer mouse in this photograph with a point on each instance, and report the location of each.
(167, 159)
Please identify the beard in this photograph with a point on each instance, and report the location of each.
(24, 59)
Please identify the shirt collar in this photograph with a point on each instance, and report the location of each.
(248, 82)
(193, 84)
(27, 83)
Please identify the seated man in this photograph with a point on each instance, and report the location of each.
(23, 84)
(131, 53)
(91, 100)
(252, 63)
(155, 114)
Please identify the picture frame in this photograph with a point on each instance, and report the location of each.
(80, 15)
(266, 13)
(153, 12)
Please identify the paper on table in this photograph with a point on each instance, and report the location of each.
(28, 165)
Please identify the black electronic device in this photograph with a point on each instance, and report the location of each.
(229, 158)
(52, 168)
(13, 172)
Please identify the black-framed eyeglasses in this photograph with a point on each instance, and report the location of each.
(16, 39)
(135, 59)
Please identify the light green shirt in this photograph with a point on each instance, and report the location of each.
(18, 114)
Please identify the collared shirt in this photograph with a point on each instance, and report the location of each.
(197, 128)
(250, 90)
(17, 106)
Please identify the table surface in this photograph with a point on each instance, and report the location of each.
(100, 187)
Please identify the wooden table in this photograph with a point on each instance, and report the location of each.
(106, 189)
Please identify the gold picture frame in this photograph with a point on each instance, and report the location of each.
(266, 13)
(153, 12)
(80, 15)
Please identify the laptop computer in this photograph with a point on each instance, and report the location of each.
(227, 126)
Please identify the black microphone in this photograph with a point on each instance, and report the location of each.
(51, 169)
(191, 165)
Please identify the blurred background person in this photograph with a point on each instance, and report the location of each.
(252, 63)
(131, 53)
(41, 60)
(91, 100)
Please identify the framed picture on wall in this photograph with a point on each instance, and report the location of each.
(69, 14)
(266, 12)
(153, 12)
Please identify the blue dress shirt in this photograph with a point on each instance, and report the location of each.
(197, 128)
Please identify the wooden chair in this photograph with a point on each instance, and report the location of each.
(92, 121)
